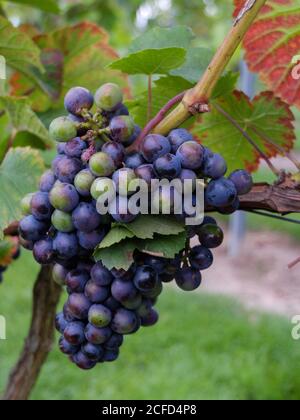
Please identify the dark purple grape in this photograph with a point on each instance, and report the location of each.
(47, 181)
(115, 341)
(67, 313)
(112, 304)
(242, 180)
(75, 147)
(209, 221)
(188, 279)
(43, 251)
(155, 146)
(122, 110)
(64, 197)
(99, 316)
(191, 155)
(145, 308)
(154, 293)
(78, 306)
(150, 319)
(67, 348)
(77, 99)
(74, 333)
(230, 209)
(146, 173)
(76, 281)
(201, 258)
(96, 293)
(116, 151)
(133, 160)
(121, 128)
(119, 211)
(83, 362)
(178, 137)
(210, 236)
(125, 322)
(67, 168)
(168, 167)
(96, 335)
(125, 293)
(188, 175)
(146, 279)
(92, 351)
(41, 208)
(61, 148)
(60, 323)
(85, 217)
(220, 193)
(65, 245)
(111, 355)
(101, 275)
(214, 167)
(89, 241)
(32, 229)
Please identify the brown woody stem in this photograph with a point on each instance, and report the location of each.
(39, 341)
(201, 93)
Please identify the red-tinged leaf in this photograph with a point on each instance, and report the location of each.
(271, 44)
(267, 120)
(73, 56)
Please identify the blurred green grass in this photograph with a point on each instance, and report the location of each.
(204, 347)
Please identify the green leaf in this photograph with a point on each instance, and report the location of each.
(115, 235)
(19, 51)
(19, 175)
(164, 89)
(121, 255)
(22, 118)
(151, 61)
(266, 120)
(167, 246)
(50, 6)
(178, 36)
(197, 60)
(146, 226)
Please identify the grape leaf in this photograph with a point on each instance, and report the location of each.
(85, 53)
(265, 118)
(156, 38)
(19, 51)
(197, 60)
(151, 61)
(121, 255)
(50, 6)
(271, 43)
(167, 246)
(166, 88)
(116, 234)
(23, 119)
(19, 174)
(146, 226)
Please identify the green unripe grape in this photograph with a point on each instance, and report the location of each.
(62, 129)
(26, 204)
(59, 274)
(62, 221)
(83, 182)
(103, 186)
(108, 97)
(102, 165)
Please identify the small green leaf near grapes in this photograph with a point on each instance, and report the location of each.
(146, 226)
(197, 60)
(115, 235)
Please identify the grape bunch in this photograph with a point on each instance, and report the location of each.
(14, 255)
(62, 224)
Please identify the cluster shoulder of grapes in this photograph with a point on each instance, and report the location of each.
(62, 226)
